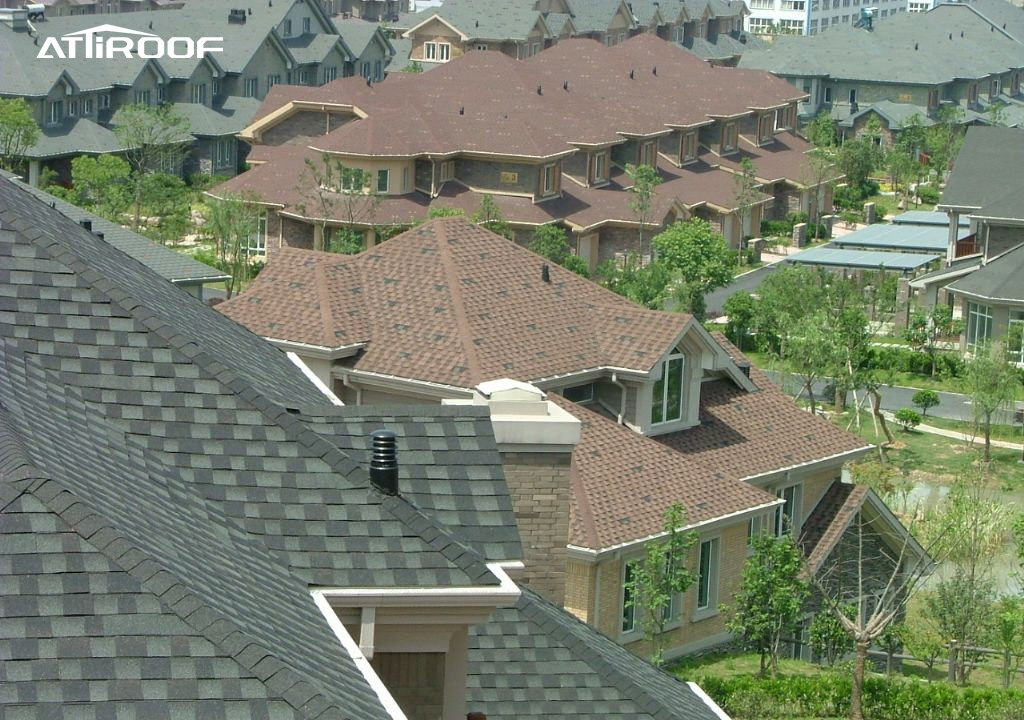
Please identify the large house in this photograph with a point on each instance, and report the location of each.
(966, 55)
(60, 8)
(669, 413)
(75, 101)
(191, 528)
(548, 138)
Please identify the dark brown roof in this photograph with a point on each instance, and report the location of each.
(623, 482)
(829, 520)
(452, 303)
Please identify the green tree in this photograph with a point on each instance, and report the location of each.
(231, 223)
(550, 241)
(18, 132)
(489, 216)
(944, 138)
(155, 139)
(785, 295)
(698, 256)
(648, 285)
(770, 598)
(1007, 634)
(746, 192)
(925, 332)
(660, 578)
(811, 350)
(992, 384)
(907, 418)
(924, 642)
(925, 399)
(646, 180)
(334, 192)
(741, 311)
(822, 131)
(857, 159)
(166, 202)
(828, 638)
(892, 642)
(102, 184)
(438, 211)
(959, 606)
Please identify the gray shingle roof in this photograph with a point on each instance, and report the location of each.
(987, 168)
(482, 20)
(177, 267)
(593, 15)
(1001, 279)
(359, 33)
(228, 118)
(73, 136)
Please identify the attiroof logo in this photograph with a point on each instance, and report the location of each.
(122, 42)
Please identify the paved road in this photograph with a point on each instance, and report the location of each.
(749, 282)
(952, 406)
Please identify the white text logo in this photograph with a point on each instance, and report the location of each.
(122, 42)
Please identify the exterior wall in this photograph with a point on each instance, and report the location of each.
(616, 243)
(296, 14)
(302, 126)
(376, 58)
(487, 175)
(539, 485)
(416, 681)
(265, 61)
(435, 31)
(205, 159)
(579, 589)
(814, 488)
(999, 239)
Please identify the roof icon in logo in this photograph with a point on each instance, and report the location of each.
(108, 29)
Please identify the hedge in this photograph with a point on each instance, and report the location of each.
(828, 696)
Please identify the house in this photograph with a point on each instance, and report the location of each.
(669, 413)
(809, 17)
(76, 101)
(982, 276)
(60, 8)
(548, 138)
(191, 527)
(180, 269)
(953, 56)
(370, 46)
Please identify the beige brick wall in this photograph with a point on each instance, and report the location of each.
(814, 489)
(579, 589)
(539, 485)
(416, 681)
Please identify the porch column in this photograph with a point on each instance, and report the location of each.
(369, 238)
(34, 171)
(954, 229)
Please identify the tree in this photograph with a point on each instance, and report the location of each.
(660, 578)
(746, 191)
(101, 184)
(155, 139)
(892, 642)
(785, 295)
(231, 223)
(857, 159)
(828, 638)
(741, 311)
(907, 418)
(811, 350)
(944, 138)
(1007, 634)
(822, 131)
(925, 332)
(645, 179)
(992, 384)
(333, 191)
(960, 606)
(698, 256)
(438, 211)
(925, 643)
(550, 241)
(167, 206)
(770, 598)
(925, 399)
(489, 216)
(18, 132)
(648, 285)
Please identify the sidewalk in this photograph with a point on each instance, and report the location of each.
(964, 437)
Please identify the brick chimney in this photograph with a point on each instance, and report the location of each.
(535, 438)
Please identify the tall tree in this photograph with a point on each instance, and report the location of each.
(746, 192)
(489, 216)
(992, 384)
(101, 184)
(698, 256)
(232, 223)
(334, 192)
(550, 241)
(944, 138)
(926, 331)
(659, 580)
(770, 599)
(646, 180)
(18, 132)
(155, 139)
(811, 350)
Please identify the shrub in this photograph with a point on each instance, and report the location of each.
(928, 194)
(925, 399)
(908, 418)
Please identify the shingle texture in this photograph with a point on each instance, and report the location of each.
(828, 522)
(452, 303)
(986, 173)
(1000, 279)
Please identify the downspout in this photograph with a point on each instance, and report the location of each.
(357, 390)
(622, 395)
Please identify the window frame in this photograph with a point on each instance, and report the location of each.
(730, 140)
(599, 160)
(251, 87)
(307, 26)
(787, 514)
(583, 398)
(260, 236)
(978, 312)
(286, 28)
(1016, 351)
(709, 580)
(384, 174)
(689, 148)
(547, 180)
(447, 171)
(626, 606)
(665, 365)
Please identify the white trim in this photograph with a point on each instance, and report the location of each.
(317, 351)
(809, 464)
(706, 699)
(311, 376)
(363, 665)
(504, 595)
(397, 382)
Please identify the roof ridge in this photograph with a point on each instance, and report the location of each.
(451, 272)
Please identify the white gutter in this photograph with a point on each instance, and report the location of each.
(402, 383)
(706, 699)
(319, 351)
(808, 464)
(591, 556)
(504, 595)
(362, 664)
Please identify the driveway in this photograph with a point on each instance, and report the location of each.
(750, 282)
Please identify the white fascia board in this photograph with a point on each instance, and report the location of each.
(810, 464)
(506, 594)
(712, 705)
(318, 351)
(311, 376)
(363, 665)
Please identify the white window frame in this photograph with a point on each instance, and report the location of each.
(447, 171)
(707, 578)
(386, 174)
(306, 26)
(787, 514)
(1016, 353)
(56, 113)
(444, 51)
(259, 247)
(105, 101)
(600, 160)
(142, 97)
(87, 106)
(252, 87)
(664, 366)
(978, 313)
(72, 108)
(689, 153)
(353, 180)
(627, 616)
(548, 180)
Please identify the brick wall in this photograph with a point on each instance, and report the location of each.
(416, 681)
(579, 588)
(539, 486)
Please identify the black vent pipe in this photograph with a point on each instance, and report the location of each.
(384, 462)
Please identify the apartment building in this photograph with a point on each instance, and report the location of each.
(668, 413)
(75, 100)
(62, 8)
(810, 17)
(961, 54)
(547, 138)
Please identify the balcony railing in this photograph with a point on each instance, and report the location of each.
(967, 246)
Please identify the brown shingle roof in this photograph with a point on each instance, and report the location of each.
(451, 303)
(623, 482)
(825, 526)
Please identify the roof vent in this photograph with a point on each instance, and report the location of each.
(915, 46)
(477, 23)
(951, 36)
(655, 70)
(384, 462)
(540, 89)
(100, 234)
(236, 16)
(462, 109)
(545, 273)
(630, 74)
(961, 33)
(150, 24)
(87, 224)
(565, 85)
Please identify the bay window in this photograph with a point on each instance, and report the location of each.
(667, 395)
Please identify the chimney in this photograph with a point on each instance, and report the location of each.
(384, 462)
(87, 224)
(535, 438)
(16, 20)
(744, 367)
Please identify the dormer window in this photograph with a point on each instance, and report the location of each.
(667, 398)
(548, 180)
(647, 154)
(730, 138)
(972, 94)
(688, 153)
(599, 168)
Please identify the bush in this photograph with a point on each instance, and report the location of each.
(908, 418)
(947, 365)
(925, 399)
(928, 194)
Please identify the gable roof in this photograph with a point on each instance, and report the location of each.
(358, 35)
(1001, 279)
(986, 169)
(476, 20)
(451, 303)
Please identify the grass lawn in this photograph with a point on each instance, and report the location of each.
(727, 665)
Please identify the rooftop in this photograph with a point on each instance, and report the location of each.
(986, 171)
(1001, 279)
(901, 237)
(868, 259)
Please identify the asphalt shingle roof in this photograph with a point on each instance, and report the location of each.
(987, 168)
(509, 20)
(1000, 279)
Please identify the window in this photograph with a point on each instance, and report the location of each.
(828, 94)
(378, 70)
(142, 97)
(56, 113)
(87, 106)
(330, 73)
(535, 48)
(794, 4)
(199, 94)
(1015, 336)
(481, 46)
(756, 526)
(547, 181)
(287, 31)
(252, 87)
(72, 108)
(689, 151)
(1015, 84)
(993, 89)
(352, 180)
(764, 124)
(786, 514)
(447, 170)
(599, 166)
(304, 77)
(853, 96)
(405, 179)
(760, 25)
(224, 151)
(792, 27)
(729, 138)
(383, 180)
(933, 99)
(305, 26)
(273, 80)
(216, 88)
(762, 4)
(972, 93)
(161, 94)
(979, 325)
(581, 394)
(628, 608)
(647, 154)
(707, 578)
(258, 240)
(105, 101)
(437, 51)
(667, 395)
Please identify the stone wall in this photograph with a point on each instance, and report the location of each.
(539, 485)
(416, 681)
(517, 178)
